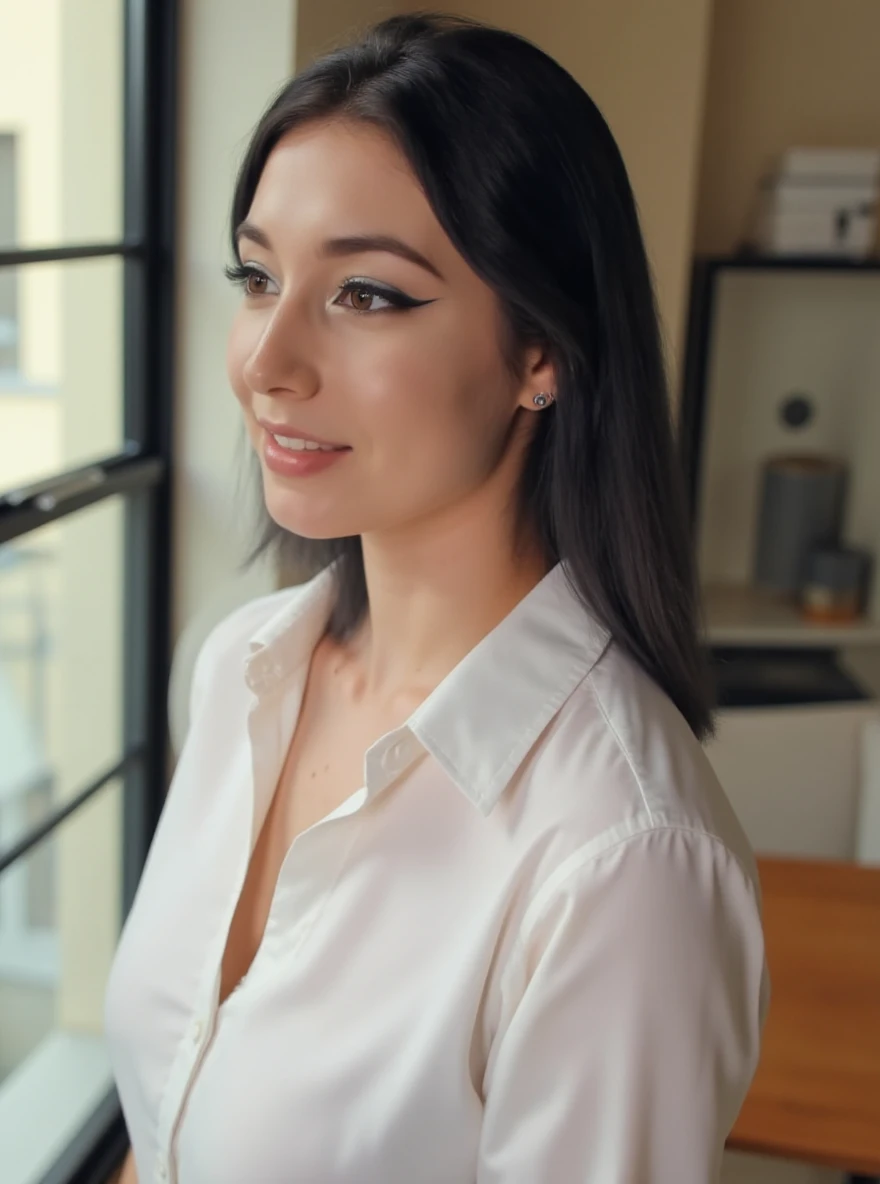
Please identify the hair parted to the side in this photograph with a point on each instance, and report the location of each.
(525, 177)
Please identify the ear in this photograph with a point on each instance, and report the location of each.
(540, 378)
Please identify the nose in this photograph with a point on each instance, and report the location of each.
(277, 364)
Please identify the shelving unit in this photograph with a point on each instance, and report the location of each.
(705, 274)
(761, 328)
(737, 614)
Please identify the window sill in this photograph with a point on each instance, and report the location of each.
(47, 1100)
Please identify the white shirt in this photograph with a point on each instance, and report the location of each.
(528, 950)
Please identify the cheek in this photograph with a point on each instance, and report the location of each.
(433, 416)
(403, 403)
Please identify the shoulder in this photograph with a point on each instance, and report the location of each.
(643, 829)
(639, 766)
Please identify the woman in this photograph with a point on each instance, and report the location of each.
(445, 889)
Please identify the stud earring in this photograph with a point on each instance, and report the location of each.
(542, 399)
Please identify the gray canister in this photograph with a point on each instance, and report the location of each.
(801, 507)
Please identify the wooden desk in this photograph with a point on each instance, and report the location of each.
(816, 1094)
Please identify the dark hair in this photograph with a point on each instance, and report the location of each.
(525, 177)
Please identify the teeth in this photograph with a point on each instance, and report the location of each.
(297, 445)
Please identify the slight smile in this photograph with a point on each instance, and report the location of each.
(290, 452)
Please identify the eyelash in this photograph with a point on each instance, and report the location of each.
(241, 273)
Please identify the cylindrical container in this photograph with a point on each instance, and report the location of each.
(801, 507)
(835, 583)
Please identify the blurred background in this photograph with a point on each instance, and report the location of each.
(751, 131)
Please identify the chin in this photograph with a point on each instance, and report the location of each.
(309, 517)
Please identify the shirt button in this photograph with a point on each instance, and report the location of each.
(391, 756)
(163, 1170)
(197, 1030)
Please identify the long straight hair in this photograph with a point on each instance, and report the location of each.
(524, 176)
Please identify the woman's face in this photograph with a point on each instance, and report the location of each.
(418, 398)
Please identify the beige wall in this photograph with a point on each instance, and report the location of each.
(781, 73)
(232, 61)
(323, 24)
(642, 62)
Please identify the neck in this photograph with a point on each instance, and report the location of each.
(434, 592)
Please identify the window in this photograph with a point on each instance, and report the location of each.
(87, 152)
(28, 936)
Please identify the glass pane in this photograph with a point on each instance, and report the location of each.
(61, 397)
(61, 687)
(61, 108)
(8, 286)
(54, 1068)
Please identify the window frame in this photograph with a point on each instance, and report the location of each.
(14, 151)
(141, 473)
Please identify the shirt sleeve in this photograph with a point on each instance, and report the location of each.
(639, 996)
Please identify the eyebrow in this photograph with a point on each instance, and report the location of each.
(352, 244)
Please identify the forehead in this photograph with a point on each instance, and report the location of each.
(342, 177)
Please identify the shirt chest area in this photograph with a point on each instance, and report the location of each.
(370, 969)
(316, 778)
(364, 889)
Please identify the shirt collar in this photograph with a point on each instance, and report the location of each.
(481, 720)
(287, 639)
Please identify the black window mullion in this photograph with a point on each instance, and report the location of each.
(149, 219)
(46, 501)
(52, 821)
(150, 121)
(18, 256)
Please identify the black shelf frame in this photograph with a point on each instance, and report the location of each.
(705, 274)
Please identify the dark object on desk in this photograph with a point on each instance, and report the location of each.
(777, 677)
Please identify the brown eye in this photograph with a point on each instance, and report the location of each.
(364, 298)
(252, 276)
(369, 298)
(361, 299)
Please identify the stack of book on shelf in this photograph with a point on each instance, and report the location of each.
(819, 202)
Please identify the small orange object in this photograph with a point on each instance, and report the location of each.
(842, 615)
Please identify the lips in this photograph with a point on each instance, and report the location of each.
(295, 460)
